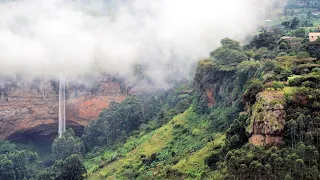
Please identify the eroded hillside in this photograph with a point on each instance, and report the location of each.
(30, 110)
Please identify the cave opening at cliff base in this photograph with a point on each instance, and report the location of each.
(41, 137)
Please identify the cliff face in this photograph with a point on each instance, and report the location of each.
(268, 119)
(30, 110)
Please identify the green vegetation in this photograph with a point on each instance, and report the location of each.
(17, 164)
(230, 52)
(67, 145)
(251, 112)
(72, 168)
(159, 153)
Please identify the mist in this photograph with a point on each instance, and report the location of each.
(73, 37)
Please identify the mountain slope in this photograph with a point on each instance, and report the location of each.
(175, 150)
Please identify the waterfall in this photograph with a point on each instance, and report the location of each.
(62, 105)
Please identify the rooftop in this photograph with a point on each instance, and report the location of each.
(314, 34)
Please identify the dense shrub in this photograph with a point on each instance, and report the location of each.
(297, 81)
(277, 85)
(300, 32)
(222, 117)
(268, 65)
(306, 67)
(282, 54)
(315, 70)
(303, 55)
(253, 88)
(265, 39)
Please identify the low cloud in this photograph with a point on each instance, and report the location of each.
(49, 37)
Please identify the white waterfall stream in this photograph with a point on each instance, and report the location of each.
(62, 105)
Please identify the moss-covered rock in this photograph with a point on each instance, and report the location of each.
(267, 119)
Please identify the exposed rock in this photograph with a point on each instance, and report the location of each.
(268, 119)
(210, 96)
(219, 91)
(268, 140)
(31, 109)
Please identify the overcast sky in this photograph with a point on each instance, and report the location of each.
(50, 37)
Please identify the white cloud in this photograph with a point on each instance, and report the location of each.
(48, 37)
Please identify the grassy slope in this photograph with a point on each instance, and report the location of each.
(181, 146)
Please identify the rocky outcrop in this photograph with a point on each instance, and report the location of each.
(268, 119)
(210, 96)
(30, 110)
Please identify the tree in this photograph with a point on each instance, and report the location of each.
(243, 171)
(227, 56)
(301, 32)
(314, 48)
(17, 164)
(67, 145)
(254, 87)
(229, 53)
(300, 122)
(230, 44)
(278, 164)
(118, 121)
(288, 177)
(293, 24)
(246, 70)
(268, 170)
(283, 47)
(6, 168)
(265, 39)
(309, 138)
(292, 125)
(45, 175)
(269, 65)
(232, 165)
(303, 55)
(254, 169)
(72, 168)
(299, 168)
(314, 172)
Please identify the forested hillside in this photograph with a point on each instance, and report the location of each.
(254, 115)
(251, 111)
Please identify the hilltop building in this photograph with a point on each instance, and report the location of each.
(313, 36)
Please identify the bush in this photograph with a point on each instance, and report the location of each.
(283, 47)
(282, 54)
(305, 68)
(254, 87)
(301, 32)
(222, 117)
(297, 81)
(308, 66)
(303, 55)
(315, 70)
(183, 105)
(309, 84)
(269, 65)
(277, 85)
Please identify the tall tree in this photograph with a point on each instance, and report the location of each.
(67, 145)
(71, 169)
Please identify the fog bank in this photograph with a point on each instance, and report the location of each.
(49, 37)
